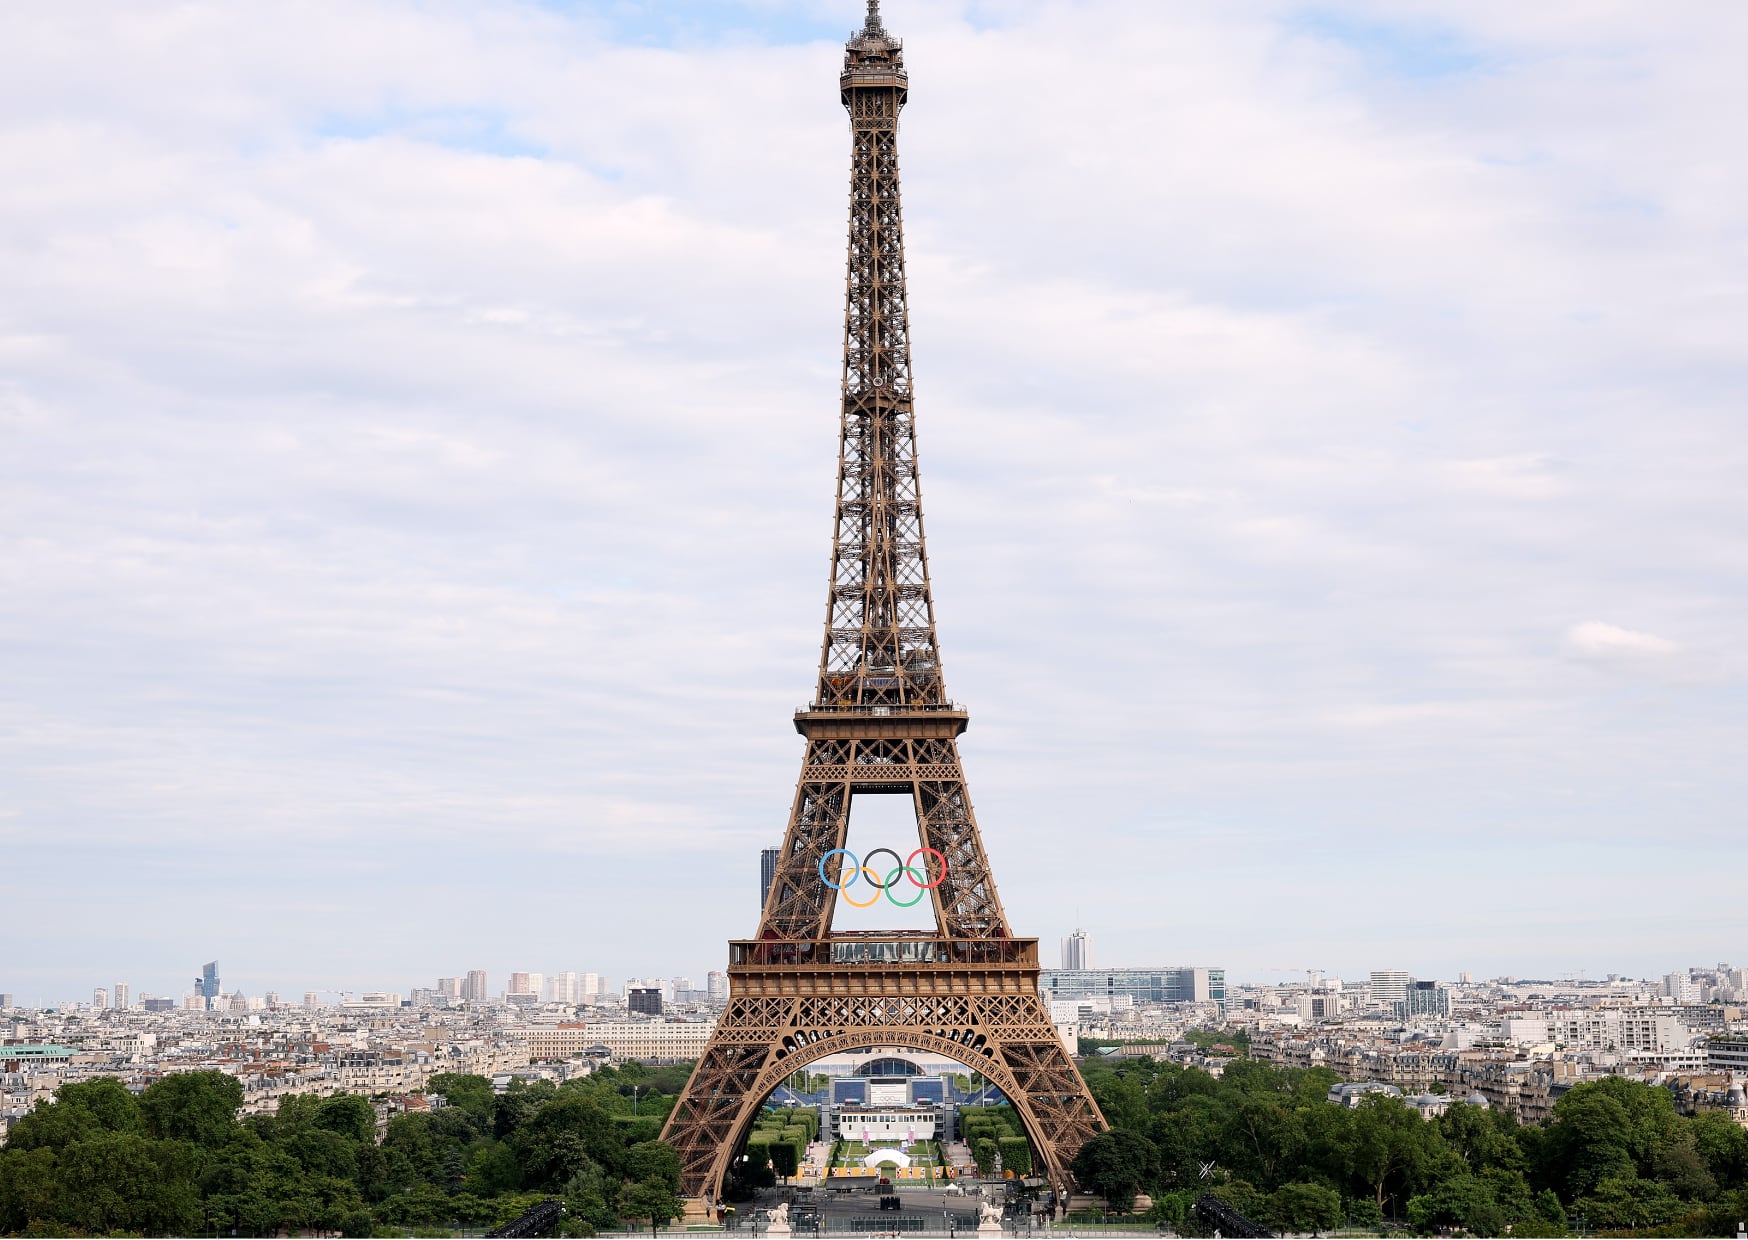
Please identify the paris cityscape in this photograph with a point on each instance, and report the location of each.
(420, 426)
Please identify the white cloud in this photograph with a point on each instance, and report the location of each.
(1595, 640)
(419, 440)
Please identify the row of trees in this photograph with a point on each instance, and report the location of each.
(1615, 1156)
(992, 1131)
(779, 1140)
(176, 1161)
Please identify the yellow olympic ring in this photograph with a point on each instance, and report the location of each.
(872, 878)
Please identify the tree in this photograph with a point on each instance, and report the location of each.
(654, 1160)
(27, 1186)
(784, 1160)
(1388, 1146)
(1117, 1165)
(1459, 1200)
(1016, 1155)
(983, 1152)
(350, 1116)
(556, 1135)
(1305, 1207)
(493, 1170)
(1589, 1141)
(1629, 1203)
(650, 1199)
(199, 1107)
(473, 1094)
(125, 1182)
(1723, 1144)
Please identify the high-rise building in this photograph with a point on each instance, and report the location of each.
(1077, 951)
(311, 1001)
(207, 984)
(767, 872)
(157, 1005)
(270, 999)
(474, 988)
(123, 997)
(449, 987)
(680, 989)
(716, 982)
(1139, 986)
(1389, 986)
(565, 987)
(1424, 999)
(644, 999)
(5, 1000)
(1681, 987)
(100, 998)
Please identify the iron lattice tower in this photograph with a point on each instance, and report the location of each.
(880, 722)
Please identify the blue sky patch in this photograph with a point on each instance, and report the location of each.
(691, 23)
(467, 129)
(1408, 50)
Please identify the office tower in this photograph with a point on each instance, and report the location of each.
(716, 981)
(594, 986)
(449, 987)
(1077, 951)
(271, 999)
(99, 999)
(644, 999)
(5, 1000)
(1389, 986)
(767, 871)
(565, 987)
(123, 997)
(536, 984)
(680, 990)
(474, 989)
(207, 984)
(1425, 999)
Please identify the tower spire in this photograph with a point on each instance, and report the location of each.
(874, 26)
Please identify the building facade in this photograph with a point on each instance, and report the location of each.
(1389, 987)
(1141, 986)
(652, 1041)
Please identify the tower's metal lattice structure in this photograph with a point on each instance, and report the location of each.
(880, 722)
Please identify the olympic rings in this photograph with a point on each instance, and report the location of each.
(854, 871)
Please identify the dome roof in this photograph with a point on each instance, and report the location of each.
(1478, 1099)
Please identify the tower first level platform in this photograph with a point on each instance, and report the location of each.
(795, 1001)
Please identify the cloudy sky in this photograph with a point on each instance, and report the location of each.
(417, 447)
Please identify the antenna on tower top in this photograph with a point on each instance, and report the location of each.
(874, 26)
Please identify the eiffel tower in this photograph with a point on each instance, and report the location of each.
(880, 722)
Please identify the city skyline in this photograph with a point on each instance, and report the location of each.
(497, 983)
(418, 429)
